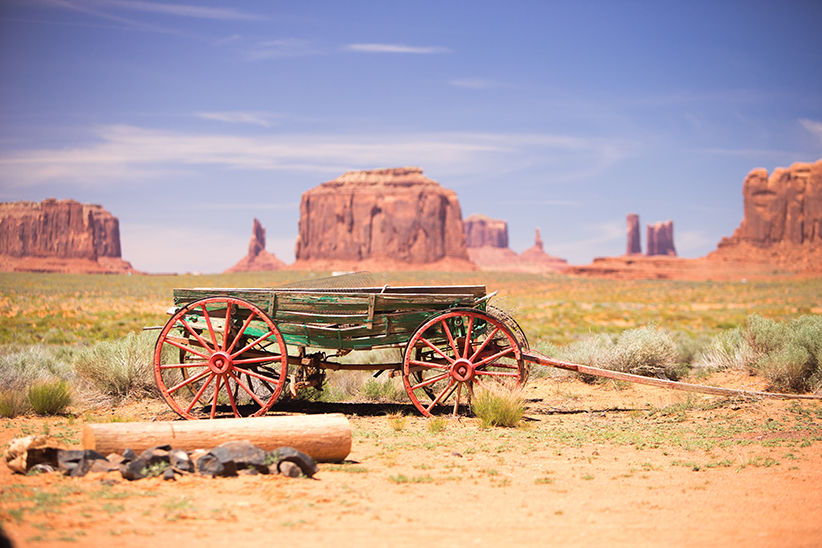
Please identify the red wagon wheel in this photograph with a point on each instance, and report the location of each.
(220, 355)
(455, 352)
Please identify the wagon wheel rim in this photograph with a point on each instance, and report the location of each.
(462, 350)
(220, 355)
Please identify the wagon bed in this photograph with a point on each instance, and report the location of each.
(228, 351)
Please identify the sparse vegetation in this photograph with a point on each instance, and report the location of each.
(498, 407)
(121, 368)
(49, 397)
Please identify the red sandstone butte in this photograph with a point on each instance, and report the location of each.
(487, 241)
(780, 235)
(634, 246)
(258, 259)
(382, 219)
(782, 226)
(59, 236)
(660, 239)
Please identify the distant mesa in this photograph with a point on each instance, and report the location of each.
(258, 259)
(487, 241)
(780, 234)
(782, 225)
(382, 219)
(60, 236)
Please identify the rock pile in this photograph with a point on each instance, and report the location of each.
(59, 236)
(381, 219)
(43, 454)
(258, 259)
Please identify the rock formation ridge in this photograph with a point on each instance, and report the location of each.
(389, 218)
(660, 239)
(487, 241)
(258, 259)
(59, 236)
(634, 246)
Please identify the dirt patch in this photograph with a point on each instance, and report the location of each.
(595, 465)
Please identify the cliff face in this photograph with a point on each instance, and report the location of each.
(38, 236)
(390, 215)
(481, 230)
(258, 259)
(634, 247)
(785, 206)
(661, 239)
(782, 225)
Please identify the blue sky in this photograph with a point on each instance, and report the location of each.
(187, 120)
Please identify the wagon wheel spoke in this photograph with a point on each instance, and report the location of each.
(430, 345)
(241, 331)
(239, 367)
(240, 384)
(200, 392)
(196, 335)
(439, 398)
(450, 336)
(451, 368)
(213, 412)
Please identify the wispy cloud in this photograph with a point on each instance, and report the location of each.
(127, 153)
(179, 10)
(815, 127)
(239, 117)
(396, 48)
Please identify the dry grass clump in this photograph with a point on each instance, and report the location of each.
(644, 351)
(788, 354)
(29, 375)
(120, 369)
(50, 397)
(498, 407)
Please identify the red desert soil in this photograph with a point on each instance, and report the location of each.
(595, 465)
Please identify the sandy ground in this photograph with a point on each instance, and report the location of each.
(594, 465)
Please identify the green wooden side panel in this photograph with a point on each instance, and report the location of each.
(351, 320)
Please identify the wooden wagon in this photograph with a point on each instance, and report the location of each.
(235, 351)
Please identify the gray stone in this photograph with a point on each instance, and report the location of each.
(246, 455)
(289, 469)
(288, 454)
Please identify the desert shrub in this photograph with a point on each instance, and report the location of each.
(344, 384)
(20, 367)
(390, 389)
(644, 351)
(120, 368)
(49, 397)
(788, 354)
(498, 407)
(689, 349)
(727, 350)
(13, 403)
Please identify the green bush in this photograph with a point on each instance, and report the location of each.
(498, 408)
(788, 354)
(727, 350)
(390, 389)
(50, 397)
(121, 368)
(644, 351)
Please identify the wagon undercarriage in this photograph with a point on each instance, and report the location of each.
(237, 351)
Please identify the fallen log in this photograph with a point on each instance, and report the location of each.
(326, 438)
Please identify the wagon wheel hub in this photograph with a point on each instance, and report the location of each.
(462, 370)
(220, 363)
